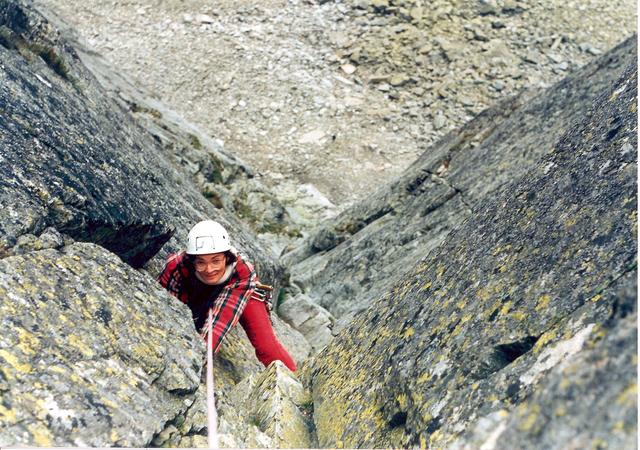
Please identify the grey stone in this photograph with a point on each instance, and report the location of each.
(81, 361)
(486, 7)
(399, 79)
(555, 58)
(312, 320)
(439, 121)
(498, 85)
(404, 221)
(520, 329)
(532, 57)
(276, 402)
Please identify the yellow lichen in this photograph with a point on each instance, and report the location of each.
(595, 298)
(629, 396)
(28, 343)
(424, 378)
(402, 401)
(560, 411)
(7, 416)
(543, 302)
(79, 345)
(505, 308)
(618, 426)
(530, 419)
(41, 435)
(14, 362)
(599, 444)
(466, 318)
(544, 340)
(409, 332)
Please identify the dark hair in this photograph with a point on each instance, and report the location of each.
(190, 259)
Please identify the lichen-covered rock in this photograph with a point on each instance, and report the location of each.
(77, 161)
(78, 167)
(270, 409)
(276, 402)
(356, 257)
(519, 330)
(225, 180)
(93, 353)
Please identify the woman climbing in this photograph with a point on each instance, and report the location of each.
(211, 274)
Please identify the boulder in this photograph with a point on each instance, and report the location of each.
(310, 319)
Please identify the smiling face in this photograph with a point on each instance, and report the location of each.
(210, 267)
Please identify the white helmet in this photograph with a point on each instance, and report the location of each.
(206, 237)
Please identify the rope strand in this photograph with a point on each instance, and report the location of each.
(212, 414)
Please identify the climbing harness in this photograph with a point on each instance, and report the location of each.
(262, 293)
(212, 414)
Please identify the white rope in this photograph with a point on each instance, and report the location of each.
(212, 414)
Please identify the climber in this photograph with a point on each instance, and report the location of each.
(212, 274)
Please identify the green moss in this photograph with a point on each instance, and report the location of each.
(135, 108)
(214, 198)
(195, 142)
(53, 60)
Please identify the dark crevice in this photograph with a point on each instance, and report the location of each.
(399, 419)
(508, 353)
(135, 243)
(433, 425)
(457, 191)
(493, 359)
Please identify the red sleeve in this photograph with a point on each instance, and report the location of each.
(172, 277)
(231, 301)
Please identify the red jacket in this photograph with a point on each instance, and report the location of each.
(230, 302)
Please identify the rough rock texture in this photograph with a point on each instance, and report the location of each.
(356, 257)
(267, 410)
(277, 404)
(106, 179)
(518, 331)
(77, 167)
(304, 90)
(93, 354)
(225, 180)
(312, 320)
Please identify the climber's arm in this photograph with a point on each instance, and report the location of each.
(172, 277)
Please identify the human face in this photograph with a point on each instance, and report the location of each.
(210, 267)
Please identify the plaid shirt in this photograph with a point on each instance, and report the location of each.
(230, 303)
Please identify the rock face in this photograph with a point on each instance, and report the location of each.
(87, 358)
(95, 352)
(107, 180)
(355, 258)
(520, 329)
(305, 90)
